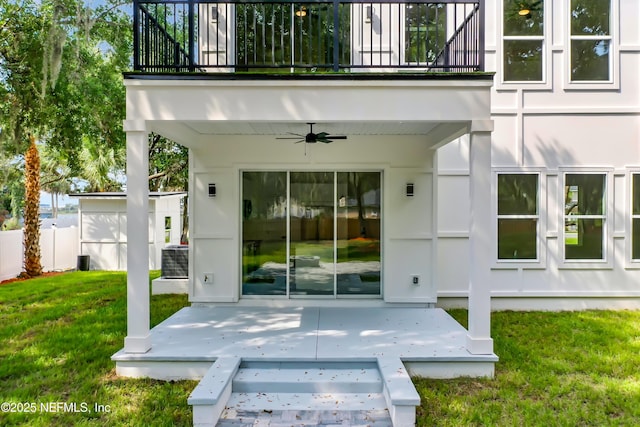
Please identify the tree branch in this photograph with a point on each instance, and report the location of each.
(158, 175)
(51, 181)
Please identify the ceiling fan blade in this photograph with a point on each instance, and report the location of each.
(311, 138)
(294, 136)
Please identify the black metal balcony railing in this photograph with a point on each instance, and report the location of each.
(322, 35)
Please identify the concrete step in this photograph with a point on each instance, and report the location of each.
(298, 377)
(256, 401)
(305, 418)
(235, 393)
(304, 394)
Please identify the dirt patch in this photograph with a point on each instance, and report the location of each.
(22, 279)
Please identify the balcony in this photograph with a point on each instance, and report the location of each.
(322, 37)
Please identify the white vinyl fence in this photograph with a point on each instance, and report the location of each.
(58, 246)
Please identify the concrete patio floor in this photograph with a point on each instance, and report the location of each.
(428, 340)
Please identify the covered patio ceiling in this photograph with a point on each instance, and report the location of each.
(196, 112)
(193, 134)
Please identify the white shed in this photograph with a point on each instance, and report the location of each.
(102, 219)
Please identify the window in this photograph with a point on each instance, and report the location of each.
(518, 216)
(635, 216)
(167, 229)
(590, 40)
(425, 31)
(584, 216)
(523, 41)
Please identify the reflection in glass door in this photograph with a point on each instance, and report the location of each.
(264, 233)
(311, 233)
(358, 233)
(311, 252)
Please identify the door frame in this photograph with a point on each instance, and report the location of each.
(320, 168)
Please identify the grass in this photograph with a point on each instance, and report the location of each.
(58, 334)
(555, 369)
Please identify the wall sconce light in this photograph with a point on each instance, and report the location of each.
(410, 189)
(368, 14)
(214, 14)
(212, 190)
(302, 12)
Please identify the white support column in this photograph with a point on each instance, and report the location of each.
(479, 334)
(138, 339)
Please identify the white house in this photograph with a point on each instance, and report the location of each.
(102, 222)
(565, 153)
(500, 138)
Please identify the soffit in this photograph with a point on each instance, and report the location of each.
(301, 128)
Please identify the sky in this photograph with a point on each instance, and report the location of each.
(45, 199)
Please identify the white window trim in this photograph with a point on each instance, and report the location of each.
(614, 56)
(509, 264)
(631, 263)
(608, 215)
(546, 82)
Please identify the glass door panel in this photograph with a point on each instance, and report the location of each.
(312, 244)
(358, 233)
(264, 233)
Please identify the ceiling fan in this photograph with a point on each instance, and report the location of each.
(312, 138)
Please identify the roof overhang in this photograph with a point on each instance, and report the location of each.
(191, 111)
(112, 195)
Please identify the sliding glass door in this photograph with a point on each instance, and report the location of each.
(311, 234)
(311, 242)
(358, 233)
(264, 233)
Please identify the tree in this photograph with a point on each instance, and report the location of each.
(11, 189)
(55, 176)
(169, 171)
(60, 81)
(32, 265)
(168, 165)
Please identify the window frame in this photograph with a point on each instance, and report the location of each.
(613, 82)
(541, 227)
(632, 263)
(607, 216)
(545, 82)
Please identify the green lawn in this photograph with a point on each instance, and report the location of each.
(555, 369)
(57, 337)
(58, 333)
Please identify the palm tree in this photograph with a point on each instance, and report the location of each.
(32, 264)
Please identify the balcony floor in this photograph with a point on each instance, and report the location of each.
(428, 340)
